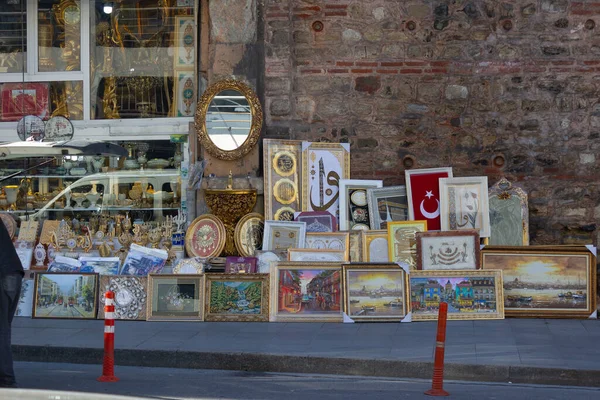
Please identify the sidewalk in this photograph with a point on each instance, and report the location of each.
(540, 351)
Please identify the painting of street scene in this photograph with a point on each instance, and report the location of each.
(543, 282)
(306, 292)
(375, 293)
(473, 295)
(65, 296)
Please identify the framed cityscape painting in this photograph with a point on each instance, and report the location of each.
(375, 246)
(465, 204)
(175, 297)
(387, 204)
(317, 255)
(354, 209)
(471, 295)
(237, 297)
(423, 192)
(329, 241)
(509, 215)
(306, 292)
(548, 282)
(281, 160)
(402, 242)
(65, 295)
(282, 235)
(323, 165)
(375, 292)
(317, 221)
(448, 250)
(131, 296)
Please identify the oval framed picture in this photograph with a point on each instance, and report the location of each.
(205, 237)
(249, 234)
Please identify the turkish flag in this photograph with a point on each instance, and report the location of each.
(425, 196)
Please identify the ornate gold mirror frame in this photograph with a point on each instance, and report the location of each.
(202, 109)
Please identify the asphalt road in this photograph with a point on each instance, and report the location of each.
(60, 311)
(165, 383)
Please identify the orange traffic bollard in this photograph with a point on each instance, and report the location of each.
(437, 383)
(108, 366)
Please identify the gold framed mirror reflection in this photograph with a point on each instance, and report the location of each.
(228, 119)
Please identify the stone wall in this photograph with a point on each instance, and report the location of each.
(497, 88)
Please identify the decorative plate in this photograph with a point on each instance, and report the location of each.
(359, 197)
(249, 234)
(131, 294)
(31, 127)
(11, 224)
(205, 237)
(58, 128)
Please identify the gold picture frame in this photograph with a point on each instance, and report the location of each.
(329, 241)
(402, 243)
(218, 301)
(376, 240)
(281, 161)
(174, 297)
(355, 249)
(317, 255)
(184, 56)
(248, 235)
(213, 237)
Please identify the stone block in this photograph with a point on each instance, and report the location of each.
(226, 58)
(554, 6)
(280, 107)
(351, 35)
(233, 21)
(418, 10)
(454, 92)
(429, 92)
(587, 158)
(277, 85)
(305, 108)
(368, 84)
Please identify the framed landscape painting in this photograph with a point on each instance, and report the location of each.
(548, 282)
(237, 297)
(175, 297)
(65, 295)
(375, 292)
(465, 204)
(402, 242)
(306, 292)
(387, 204)
(471, 295)
(448, 250)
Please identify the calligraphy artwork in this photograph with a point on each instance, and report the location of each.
(185, 94)
(509, 214)
(465, 204)
(448, 250)
(21, 99)
(317, 221)
(280, 235)
(423, 191)
(185, 42)
(314, 255)
(282, 178)
(402, 242)
(323, 166)
(329, 241)
(205, 237)
(375, 246)
(387, 204)
(354, 209)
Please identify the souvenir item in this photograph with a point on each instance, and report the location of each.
(375, 292)
(100, 265)
(280, 235)
(329, 241)
(465, 204)
(387, 204)
(448, 250)
(28, 231)
(314, 255)
(141, 261)
(65, 264)
(423, 191)
(509, 214)
(48, 228)
(20, 99)
(306, 292)
(24, 308)
(31, 128)
(185, 42)
(317, 221)
(234, 265)
(282, 178)
(323, 166)
(189, 266)
(265, 258)
(58, 128)
(175, 297)
(65, 295)
(354, 210)
(375, 246)
(249, 234)
(402, 243)
(25, 253)
(205, 237)
(544, 281)
(131, 295)
(237, 297)
(471, 295)
(10, 223)
(356, 246)
(39, 253)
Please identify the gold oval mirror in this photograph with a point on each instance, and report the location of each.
(228, 119)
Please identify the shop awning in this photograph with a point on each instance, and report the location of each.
(9, 151)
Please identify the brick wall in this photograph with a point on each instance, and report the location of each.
(488, 87)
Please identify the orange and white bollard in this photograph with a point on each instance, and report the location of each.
(437, 383)
(108, 366)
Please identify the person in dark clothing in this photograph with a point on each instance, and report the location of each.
(11, 275)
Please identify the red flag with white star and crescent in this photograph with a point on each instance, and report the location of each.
(425, 198)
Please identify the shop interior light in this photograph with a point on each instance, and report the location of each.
(108, 8)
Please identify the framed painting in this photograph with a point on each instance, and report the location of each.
(21, 99)
(448, 250)
(131, 296)
(356, 246)
(317, 221)
(329, 241)
(509, 215)
(354, 208)
(265, 258)
(185, 43)
(28, 231)
(465, 204)
(237, 297)
(323, 166)
(387, 204)
(471, 295)
(402, 241)
(375, 246)
(375, 292)
(175, 297)
(306, 292)
(237, 265)
(282, 235)
(25, 304)
(189, 266)
(65, 295)
(184, 93)
(248, 236)
(314, 255)
(281, 160)
(205, 237)
(423, 192)
(548, 282)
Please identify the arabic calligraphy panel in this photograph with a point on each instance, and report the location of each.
(282, 178)
(448, 250)
(464, 204)
(509, 215)
(402, 242)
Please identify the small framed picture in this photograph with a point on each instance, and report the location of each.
(355, 246)
(131, 296)
(266, 257)
(387, 204)
(282, 235)
(423, 192)
(448, 250)
(314, 255)
(237, 265)
(65, 295)
(465, 204)
(354, 209)
(402, 243)
(237, 297)
(329, 241)
(175, 297)
(317, 221)
(375, 246)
